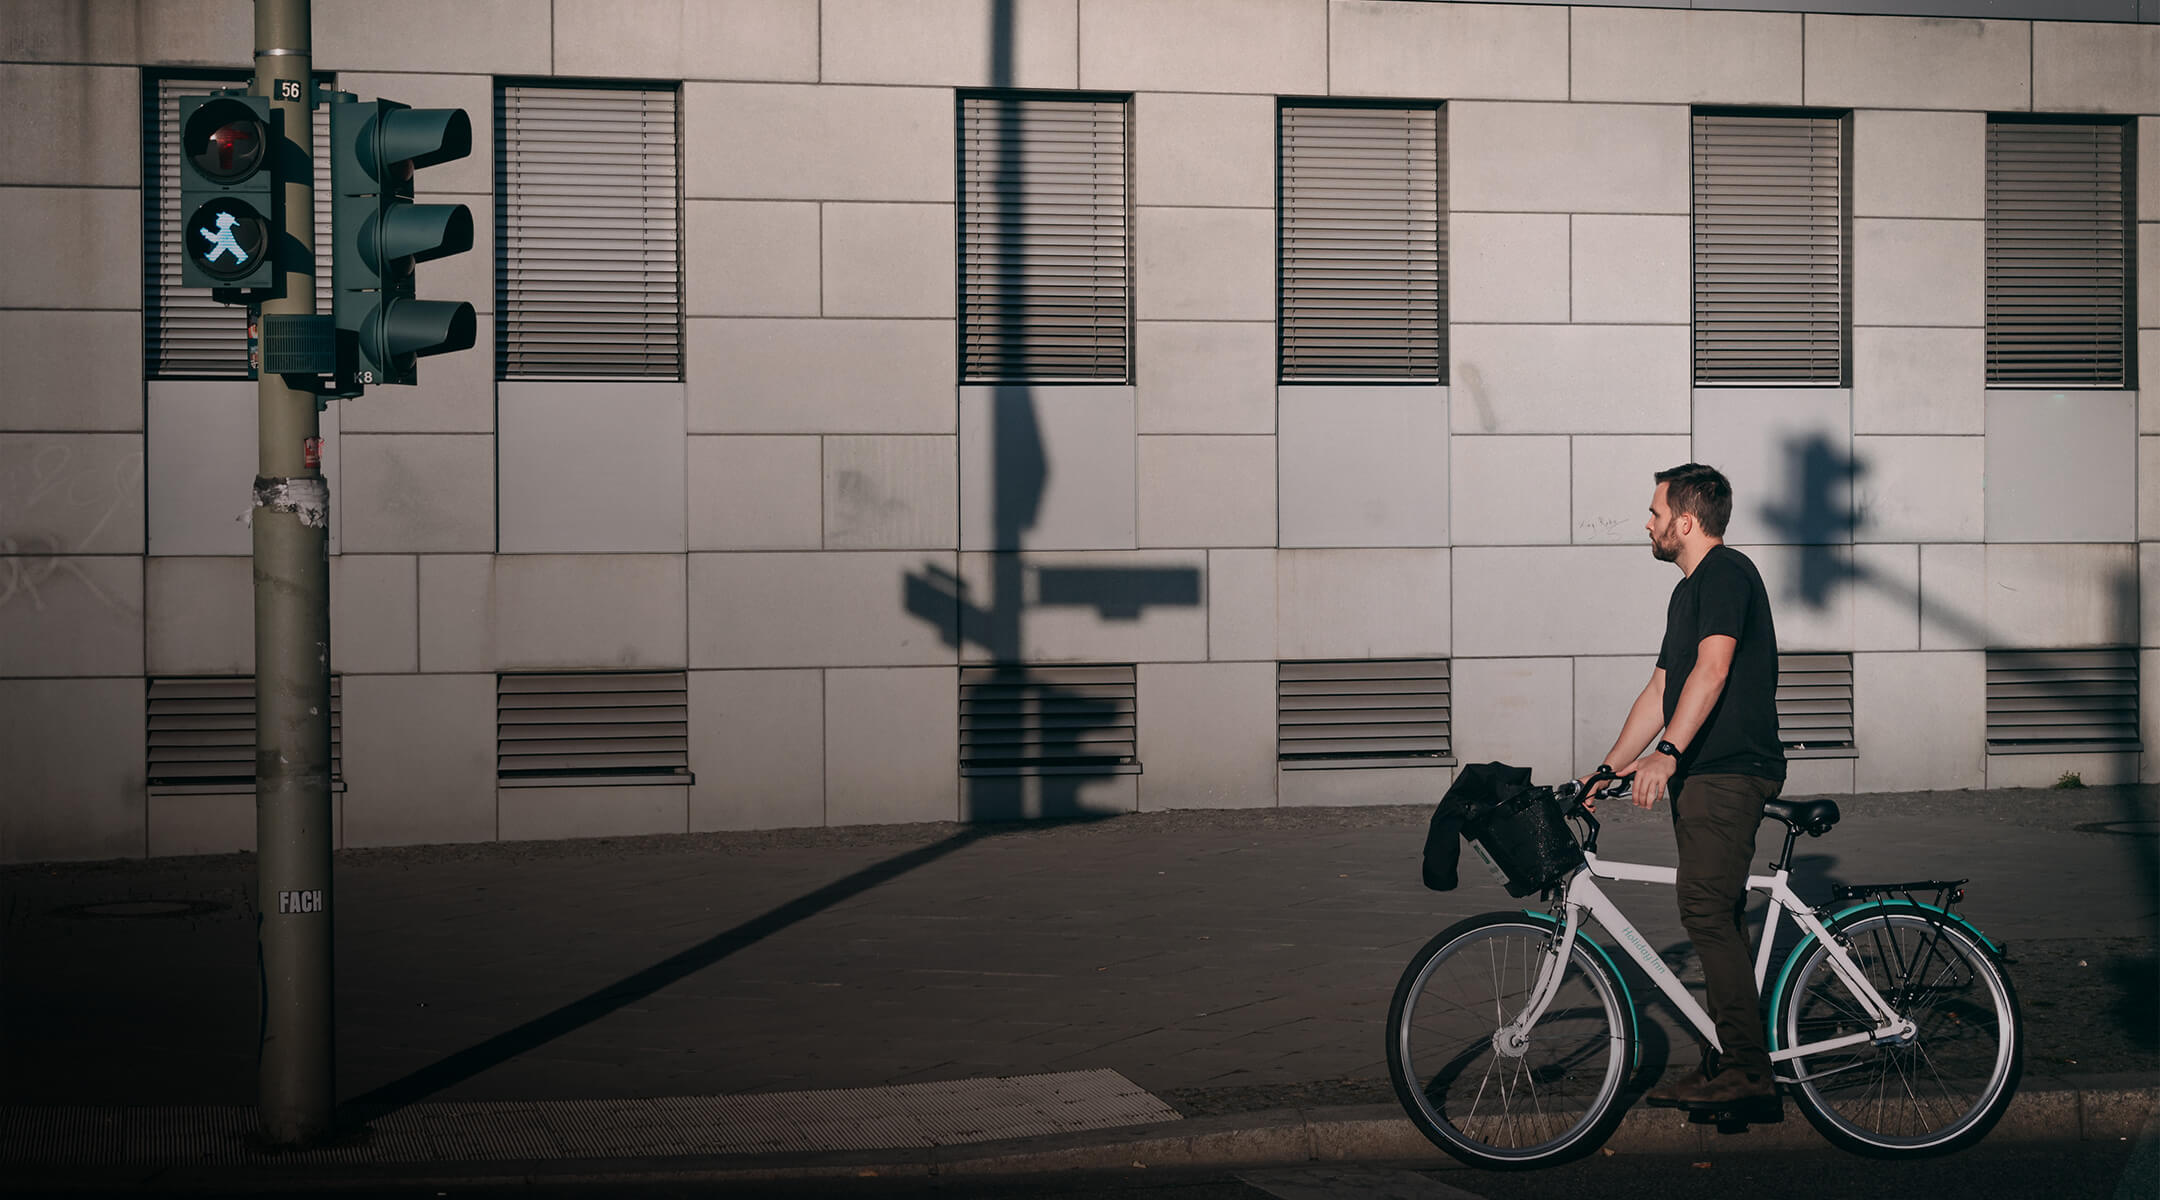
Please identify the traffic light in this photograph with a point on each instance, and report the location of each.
(379, 233)
(228, 194)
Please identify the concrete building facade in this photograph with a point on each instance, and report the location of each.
(814, 531)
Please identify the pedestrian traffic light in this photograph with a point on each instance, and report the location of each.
(379, 234)
(228, 194)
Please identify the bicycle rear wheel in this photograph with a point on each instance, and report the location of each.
(1554, 1098)
(1940, 1090)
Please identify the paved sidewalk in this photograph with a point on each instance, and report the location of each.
(1232, 964)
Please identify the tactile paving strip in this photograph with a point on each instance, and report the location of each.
(952, 1113)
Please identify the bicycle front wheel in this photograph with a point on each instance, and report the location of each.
(1493, 1105)
(1938, 1091)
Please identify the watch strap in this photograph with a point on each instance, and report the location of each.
(1669, 748)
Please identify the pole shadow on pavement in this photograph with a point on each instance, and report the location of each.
(504, 1046)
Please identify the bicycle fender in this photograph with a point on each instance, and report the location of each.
(1627, 996)
(1792, 960)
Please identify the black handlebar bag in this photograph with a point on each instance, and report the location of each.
(1516, 824)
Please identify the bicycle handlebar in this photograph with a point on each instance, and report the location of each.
(1572, 792)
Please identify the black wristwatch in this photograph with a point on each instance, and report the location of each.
(1669, 748)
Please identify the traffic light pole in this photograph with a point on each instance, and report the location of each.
(291, 520)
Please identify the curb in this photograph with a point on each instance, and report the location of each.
(1281, 1137)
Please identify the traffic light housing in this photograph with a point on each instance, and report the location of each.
(228, 194)
(379, 234)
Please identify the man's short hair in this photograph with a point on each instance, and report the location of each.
(1700, 491)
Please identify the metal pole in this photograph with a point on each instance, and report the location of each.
(298, 1090)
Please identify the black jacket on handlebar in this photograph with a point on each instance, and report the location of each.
(1477, 788)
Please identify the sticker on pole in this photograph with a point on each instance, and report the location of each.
(310, 901)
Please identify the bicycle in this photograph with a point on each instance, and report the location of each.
(1512, 1035)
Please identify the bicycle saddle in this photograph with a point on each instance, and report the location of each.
(1814, 816)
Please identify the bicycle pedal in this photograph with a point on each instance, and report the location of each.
(1736, 1117)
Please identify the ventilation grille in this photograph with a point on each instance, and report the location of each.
(2062, 701)
(2058, 255)
(1048, 721)
(589, 282)
(202, 735)
(1769, 249)
(186, 334)
(1389, 713)
(1044, 240)
(1364, 249)
(1814, 705)
(592, 728)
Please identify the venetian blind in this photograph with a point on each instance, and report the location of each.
(1769, 249)
(1045, 240)
(186, 334)
(588, 225)
(1364, 244)
(2058, 255)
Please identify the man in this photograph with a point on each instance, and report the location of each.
(1714, 693)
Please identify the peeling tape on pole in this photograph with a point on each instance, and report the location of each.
(307, 499)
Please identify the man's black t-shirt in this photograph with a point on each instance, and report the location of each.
(1725, 596)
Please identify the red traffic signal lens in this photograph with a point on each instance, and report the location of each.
(225, 141)
(227, 238)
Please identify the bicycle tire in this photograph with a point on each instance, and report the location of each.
(1556, 1100)
(1969, 1046)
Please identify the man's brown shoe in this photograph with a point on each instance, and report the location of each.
(1668, 1094)
(1730, 1090)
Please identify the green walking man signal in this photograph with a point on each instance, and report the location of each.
(228, 195)
(379, 233)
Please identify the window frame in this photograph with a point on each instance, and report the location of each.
(1844, 119)
(2128, 125)
(498, 168)
(1443, 244)
(961, 97)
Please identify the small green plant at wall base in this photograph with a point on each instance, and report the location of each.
(2069, 779)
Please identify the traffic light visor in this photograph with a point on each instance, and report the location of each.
(225, 141)
(424, 136)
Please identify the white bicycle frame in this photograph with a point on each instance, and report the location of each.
(1583, 895)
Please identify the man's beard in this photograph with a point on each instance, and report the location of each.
(1664, 551)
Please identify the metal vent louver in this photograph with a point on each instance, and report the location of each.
(201, 734)
(1379, 713)
(2062, 701)
(1814, 705)
(1364, 243)
(1045, 240)
(588, 728)
(1769, 235)
(1048, 720)
(2058, 255)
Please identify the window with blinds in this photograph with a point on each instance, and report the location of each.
(2059, 230)
(2062, 701)
(186, 334)
(1363, 236)
(1769, 244)
(591, 728)
(1045, 240)
(588, 221)
(201, 735)
(1385, 713)
(1048, 721)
